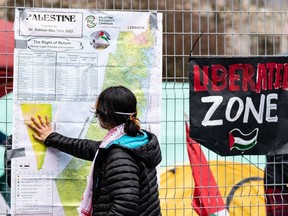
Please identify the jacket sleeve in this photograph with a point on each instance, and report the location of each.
(80, 148)
(122, 181)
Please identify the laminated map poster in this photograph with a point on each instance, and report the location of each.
(63, 59)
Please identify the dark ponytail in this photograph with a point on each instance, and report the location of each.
(118, 105)
(132, 125)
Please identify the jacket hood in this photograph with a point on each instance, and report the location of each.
(144, 146)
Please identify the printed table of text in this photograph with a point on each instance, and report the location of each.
(57, 76)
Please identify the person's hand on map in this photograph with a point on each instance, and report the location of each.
(42, 127)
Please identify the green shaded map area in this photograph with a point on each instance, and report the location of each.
(71, 184)
(29, 110)
(129, 65)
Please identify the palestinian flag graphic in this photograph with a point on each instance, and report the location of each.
(100, 39)
(103, 36)
(242, 141)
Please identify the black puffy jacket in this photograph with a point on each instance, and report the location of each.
(125, 179)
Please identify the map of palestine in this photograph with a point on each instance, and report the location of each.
(60, 69)
(132, 72)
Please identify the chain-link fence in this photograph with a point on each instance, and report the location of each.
(229, 28)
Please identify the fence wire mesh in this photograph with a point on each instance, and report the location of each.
(228, 28)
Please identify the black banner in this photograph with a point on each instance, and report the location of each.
(240, 105)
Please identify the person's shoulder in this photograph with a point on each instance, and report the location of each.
(117, 150)
(116, 154)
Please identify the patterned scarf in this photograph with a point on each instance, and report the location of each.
(85, 208)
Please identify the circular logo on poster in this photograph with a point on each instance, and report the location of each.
(100, 39)
(91, 21)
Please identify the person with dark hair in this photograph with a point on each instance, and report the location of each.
(123, 177)
(276, 185)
